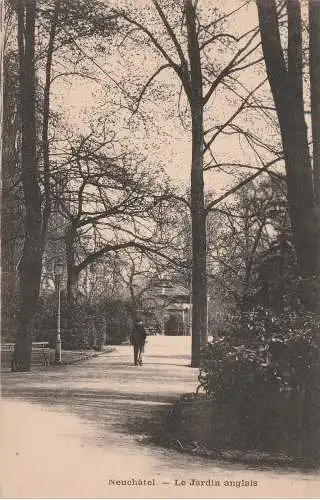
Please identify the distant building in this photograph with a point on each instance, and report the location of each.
(172, 302)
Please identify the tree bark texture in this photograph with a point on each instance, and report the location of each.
(45, 126)
(198, 216)
(286, 86)
(11, 213)
(314, 68)
(31, 261)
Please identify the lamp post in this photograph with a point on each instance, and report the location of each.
(58, 274)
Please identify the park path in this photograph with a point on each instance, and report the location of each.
(72, 431)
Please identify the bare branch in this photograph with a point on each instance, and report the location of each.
(232, 165)
(74, 73)
(245, 56)
(93, 60)
(228, 67)
(241, 68)
(152, 39)
(119, 246)
(222, 18)
(234, 115)
(146, 85)
(242, 183)
(169, 197)
(216, 37)
(171, 33)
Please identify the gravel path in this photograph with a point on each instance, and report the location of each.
(74, 431)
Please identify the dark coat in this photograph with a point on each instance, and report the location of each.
(138, 335)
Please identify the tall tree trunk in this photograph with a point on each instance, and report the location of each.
(198, 217)
(31, 260)
(45, 126)
(11, 213)
(286, 87)
(314, 69)
(311, 424)
(199, 277)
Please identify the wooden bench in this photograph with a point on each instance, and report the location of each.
(39, 354)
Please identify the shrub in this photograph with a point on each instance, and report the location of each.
(265, 370)
(85, 328)
(118, 320)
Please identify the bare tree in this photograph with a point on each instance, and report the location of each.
(110, 203)
(239, 232)
(31, 260)
(285, 76)
(38, 37)
(36, 217)
(314, 68)
(11, 213)
(186, 48)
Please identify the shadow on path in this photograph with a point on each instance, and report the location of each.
(110, 393)
(98, 418)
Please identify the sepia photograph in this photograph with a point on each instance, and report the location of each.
(160, 249)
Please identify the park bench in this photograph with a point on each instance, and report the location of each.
(39, 354)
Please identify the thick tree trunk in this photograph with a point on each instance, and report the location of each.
(45, 126)
(31, 260)
(304, 219)
(286, 87)
(11, 213)
(314, 67)
(198, 216)
(199, 277)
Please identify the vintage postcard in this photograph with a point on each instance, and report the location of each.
(160, 249)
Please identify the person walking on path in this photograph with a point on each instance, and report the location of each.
(138, 340)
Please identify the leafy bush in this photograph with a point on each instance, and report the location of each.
(85, 325)
(262, 365)
(84, 328)
(118, 320)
